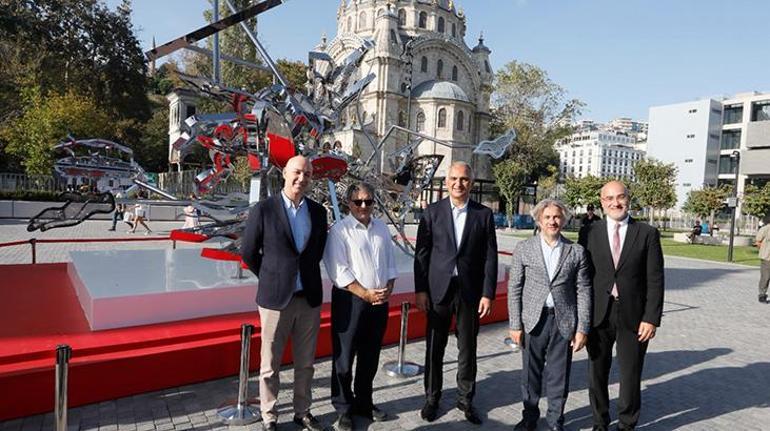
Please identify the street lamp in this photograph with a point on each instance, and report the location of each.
(732, 202)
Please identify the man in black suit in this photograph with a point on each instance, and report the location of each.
(283, 245)
(455, 273)
(628, 303)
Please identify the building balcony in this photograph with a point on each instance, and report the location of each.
(758, 134)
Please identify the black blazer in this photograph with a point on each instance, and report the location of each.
(639, 275)
(268, 249)
(436, 253)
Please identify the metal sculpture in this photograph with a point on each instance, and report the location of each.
(77, 208)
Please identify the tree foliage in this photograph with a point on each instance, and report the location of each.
(510, 177)
(46, 121)
(579, 192)
(707, 201)
(526, 99)
(654, 185)
(756, 201)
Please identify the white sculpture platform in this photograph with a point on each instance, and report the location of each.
(124, 288)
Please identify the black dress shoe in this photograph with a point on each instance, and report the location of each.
(763, 299)
(470, 414)
(309, 422)
(343, 423)
(525, 425)
(269, 426)
(599, 428)
(373, 414)
(429, 411)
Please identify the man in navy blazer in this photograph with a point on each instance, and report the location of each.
(283, 245)
(455, 273)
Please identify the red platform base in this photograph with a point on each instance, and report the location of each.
(39, 310)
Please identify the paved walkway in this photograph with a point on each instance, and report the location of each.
(707, 369)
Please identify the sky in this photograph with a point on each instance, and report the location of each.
(620, 57)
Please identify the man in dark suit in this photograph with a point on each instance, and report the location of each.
(628, 303)
(455, 273)
(283, 245)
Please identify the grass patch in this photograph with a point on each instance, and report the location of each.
(715, 253)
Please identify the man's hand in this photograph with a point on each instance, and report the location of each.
(646, 332)
(517, 337)
(421, 301)
(381, 296)
(579, 341)
(485, 307)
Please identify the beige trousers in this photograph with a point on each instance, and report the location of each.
(301, 322)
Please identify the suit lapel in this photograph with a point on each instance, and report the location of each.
(604, 241)
(446, 209)
(537, 250)
(631, 233)
(284, 219)
(470, 218)
(566, 249)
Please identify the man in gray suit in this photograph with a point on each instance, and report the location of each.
(549, 299)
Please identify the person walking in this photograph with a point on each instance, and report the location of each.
(283, 244)
(191, 214)
(119, 213)
(628, 287)
(140, 215)
(455, 274)
(361, 263)
(549, 312)
(762, 240)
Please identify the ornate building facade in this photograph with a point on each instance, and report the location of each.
(427, 78)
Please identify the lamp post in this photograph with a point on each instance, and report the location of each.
(732, 202)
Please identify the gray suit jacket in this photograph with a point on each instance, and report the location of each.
(529, 285)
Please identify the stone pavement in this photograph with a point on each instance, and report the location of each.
(707, 369)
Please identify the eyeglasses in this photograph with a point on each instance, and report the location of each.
(359, 202)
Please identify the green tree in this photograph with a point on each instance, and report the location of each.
(48, 120)
(579, 192)
(756, 201)
(526, 99)
(654, 186)
(510, 177)
(707, 201)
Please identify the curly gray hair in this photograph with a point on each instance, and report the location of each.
(537, 211)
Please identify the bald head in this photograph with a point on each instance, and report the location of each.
(615, 199)
(296, 177)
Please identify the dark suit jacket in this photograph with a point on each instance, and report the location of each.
(639, 275)
(268, 249)
(436, 253)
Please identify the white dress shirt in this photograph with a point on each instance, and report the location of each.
(551, 257)
(459, 214)
(611, 230)
(355, 252)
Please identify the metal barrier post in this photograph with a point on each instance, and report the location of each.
(173, 245)
(238, 272)
(63, 354)
(32, 242)
(243, 411)
(402, 368)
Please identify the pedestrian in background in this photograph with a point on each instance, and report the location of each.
(762, 240)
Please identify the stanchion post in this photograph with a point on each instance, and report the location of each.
(33, 244)
(243, 411)
(63, 354)
(173, 245)
(401, 368)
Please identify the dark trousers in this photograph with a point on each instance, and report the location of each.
(357, 331)
(630, 361)
(545, 349)
(439, 321)
(764, 276)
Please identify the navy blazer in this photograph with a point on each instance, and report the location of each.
(269, 250)
(639, 275)
(437, 254)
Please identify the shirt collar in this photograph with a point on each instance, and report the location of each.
(354, 223)
(611, 222)
(459, 208)
(544, 244)
(289, 204)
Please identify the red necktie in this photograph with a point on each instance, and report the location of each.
(615, 255)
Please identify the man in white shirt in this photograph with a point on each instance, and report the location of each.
(360, 262)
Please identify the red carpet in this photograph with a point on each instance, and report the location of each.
(39, 310)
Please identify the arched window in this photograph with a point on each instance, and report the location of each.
(402, 118)
(460, 120)
(454, 30)
(402, 17)
(423, 23)
(380, 12)
(470, 123)
(393, 37)
(439, 69)
(420, 121)
(350, 23)
(440, 28)
(362, 21)
(442, 118)
(454, 73)
(424, 64)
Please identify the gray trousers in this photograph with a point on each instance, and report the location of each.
(764, 276)
(547, 360)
